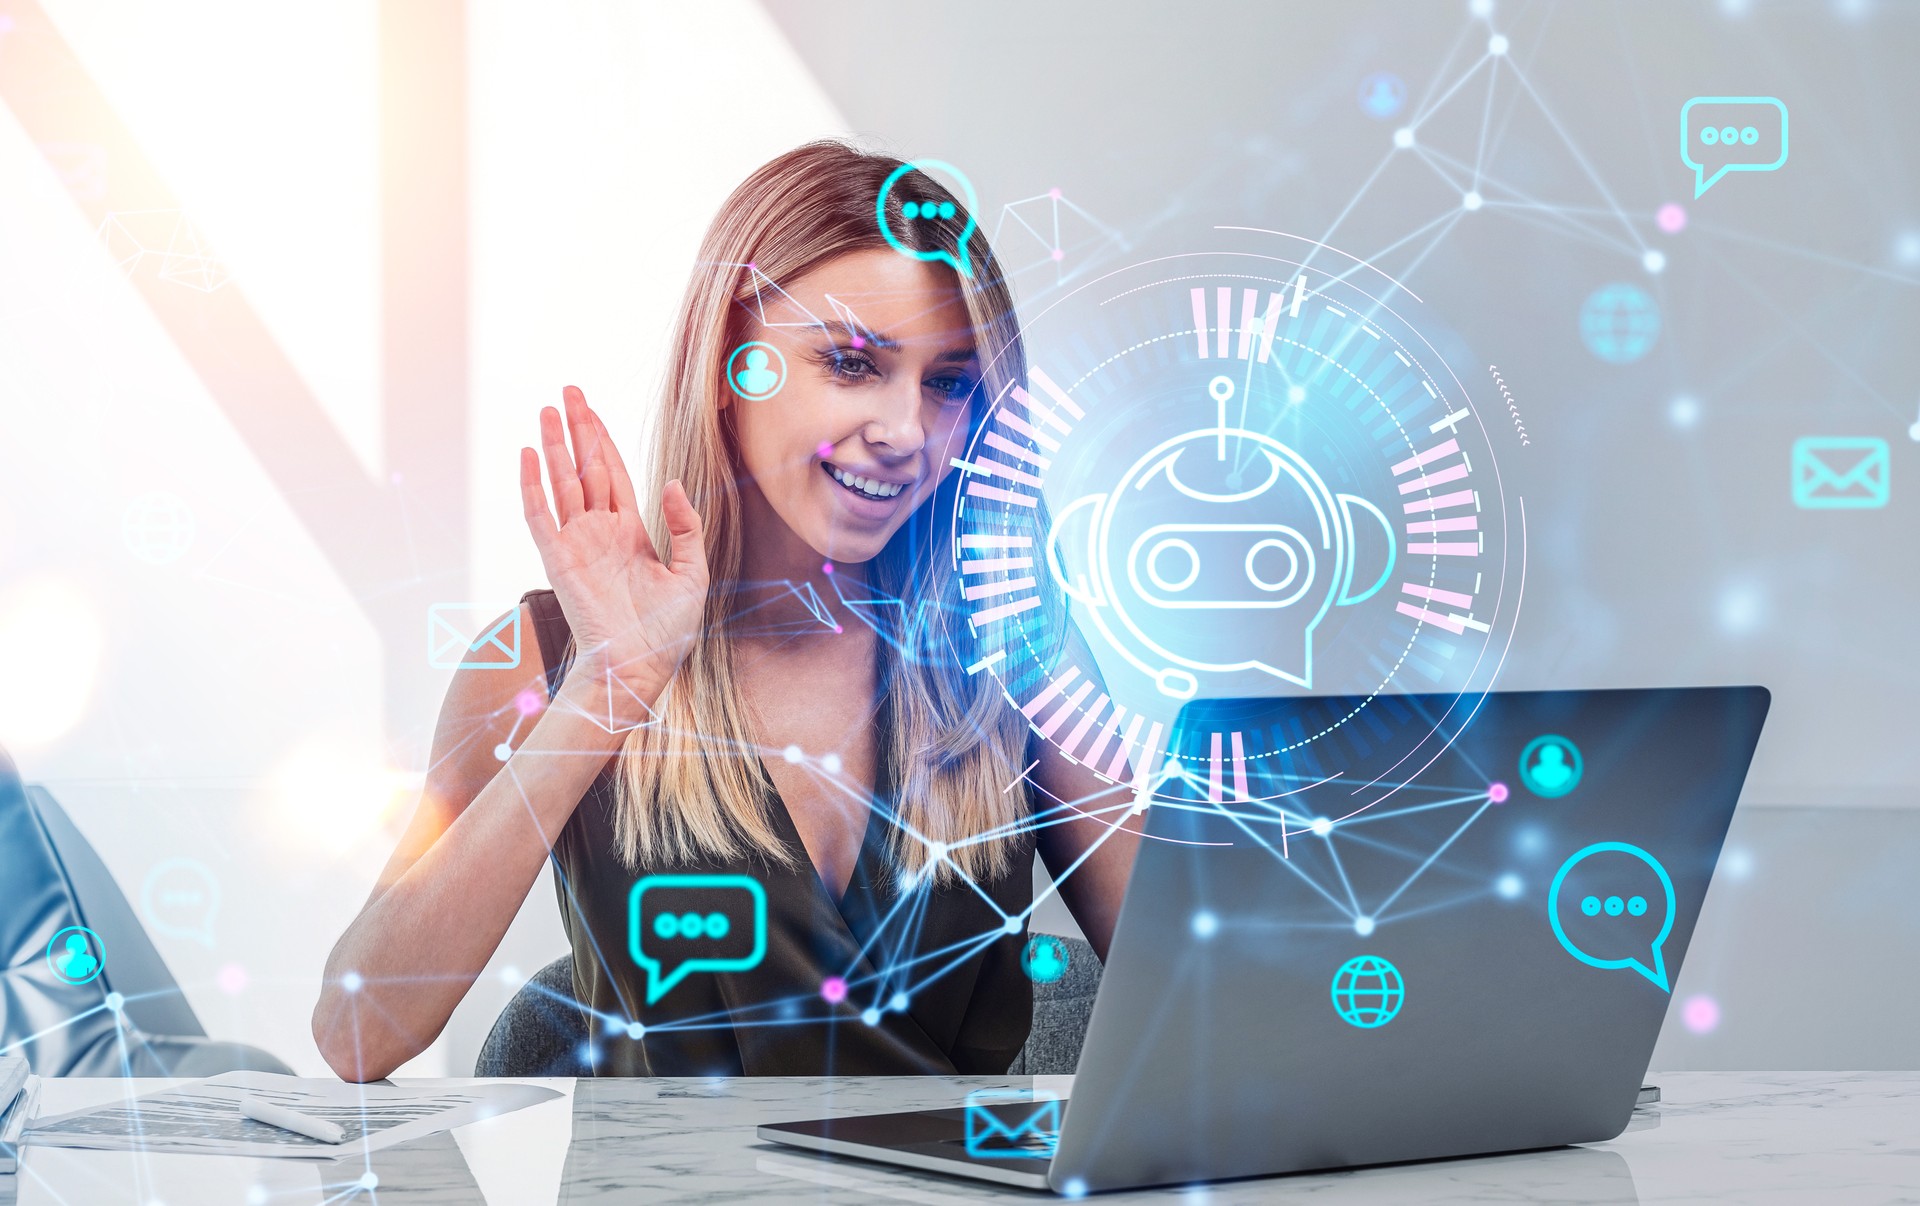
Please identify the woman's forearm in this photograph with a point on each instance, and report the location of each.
(397, 973)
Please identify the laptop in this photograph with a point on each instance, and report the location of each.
(1461, 940)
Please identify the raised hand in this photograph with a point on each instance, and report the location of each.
(633, 615)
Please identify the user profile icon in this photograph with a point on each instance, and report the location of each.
(76, 955)
(1551, 766)
(756, 371)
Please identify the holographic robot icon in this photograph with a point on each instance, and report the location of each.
(1218, 520)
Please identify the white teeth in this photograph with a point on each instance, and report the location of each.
(871, 488)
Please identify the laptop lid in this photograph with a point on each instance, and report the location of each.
(1467, 948)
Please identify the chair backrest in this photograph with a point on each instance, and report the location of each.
(542, 1032)
(55, 880)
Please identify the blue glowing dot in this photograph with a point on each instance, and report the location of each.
(502, 752)
(1321, 826)
(870, 1016)
(1075, 1187)
(1011, 925)
(899, 1002)
(1363, 926)
(351, 981)
(369, 1180)
(1508, 885)
(1205, 924)
(635, 1030)
(115, 1001)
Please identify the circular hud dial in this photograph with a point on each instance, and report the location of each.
(1251, 475)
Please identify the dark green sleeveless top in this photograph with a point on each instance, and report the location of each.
(932, 981)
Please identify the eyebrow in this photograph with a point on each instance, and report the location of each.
(886, 344)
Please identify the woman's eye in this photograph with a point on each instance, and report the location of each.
(849, 366)
(952, 390)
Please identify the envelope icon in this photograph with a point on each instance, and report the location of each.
(1012, 1124)
(496, 648)
(1836, 472)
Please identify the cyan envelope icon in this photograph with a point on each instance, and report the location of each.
(1840, 473)
(496, 648)
(1012, 1124)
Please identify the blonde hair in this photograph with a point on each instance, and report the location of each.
(691, 782)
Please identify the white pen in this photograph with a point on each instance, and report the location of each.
(288, 1120)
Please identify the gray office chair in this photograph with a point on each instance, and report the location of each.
(52, 879)
(542, 1032)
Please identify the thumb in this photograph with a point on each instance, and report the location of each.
(689, 533)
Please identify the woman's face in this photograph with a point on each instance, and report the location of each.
(861, 432)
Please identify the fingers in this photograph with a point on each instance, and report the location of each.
(568, 499)
(533, 501)
(584, 426)
(618, 478)
(689, 533)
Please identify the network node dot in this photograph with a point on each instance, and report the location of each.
(1363, 926)
(510, 975)
(833, 990)
(1497, 44)
(1059, 253)
(1913, 433)
(1403, 137)
(792, 753)
(1481, 8)
(1321, 826)
(115, 1001)
(1011, 925)
(502, 752)
(1654, 261)
(1205, 924)
(1684, 412)
(1472, 201)
(1296, 394)
(1074, 1188)
(369, 1179)
(871, 1017)
(1671, 218)
(636, 1030)
(898, 1002)
(1498, 792)
(351, 981)
(1508, 886)
(830, 763)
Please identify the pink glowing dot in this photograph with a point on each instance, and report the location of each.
(1671, 218)
(1497, 792)
(752, 267)
(232, 979)
(528, 701)
(1701, 1014)
(825, 450)
(826, 567)
(858, 341)
(1054, 193)
(1059, 253)
(833, 990)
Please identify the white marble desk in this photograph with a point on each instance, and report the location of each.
(1722, 1136)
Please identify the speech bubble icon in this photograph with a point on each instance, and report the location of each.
(180, 897)
(924, 208)
(681, 924)
(1612, 906)
(1721, 134)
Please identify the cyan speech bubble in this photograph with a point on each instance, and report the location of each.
(1611, 884)
(180, 897)
(690, 923)
(964, 263)
(1704, 148)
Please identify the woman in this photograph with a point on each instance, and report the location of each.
(893, 839)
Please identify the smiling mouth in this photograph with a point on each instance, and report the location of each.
(865, 487)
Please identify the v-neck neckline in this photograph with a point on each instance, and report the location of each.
(882, 788)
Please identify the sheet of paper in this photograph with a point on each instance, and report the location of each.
(204, 1118)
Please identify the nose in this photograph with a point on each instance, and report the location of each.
(897, 422)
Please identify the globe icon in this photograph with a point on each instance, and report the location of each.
(1619, 323)
(157, 527)
(1368, 992)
